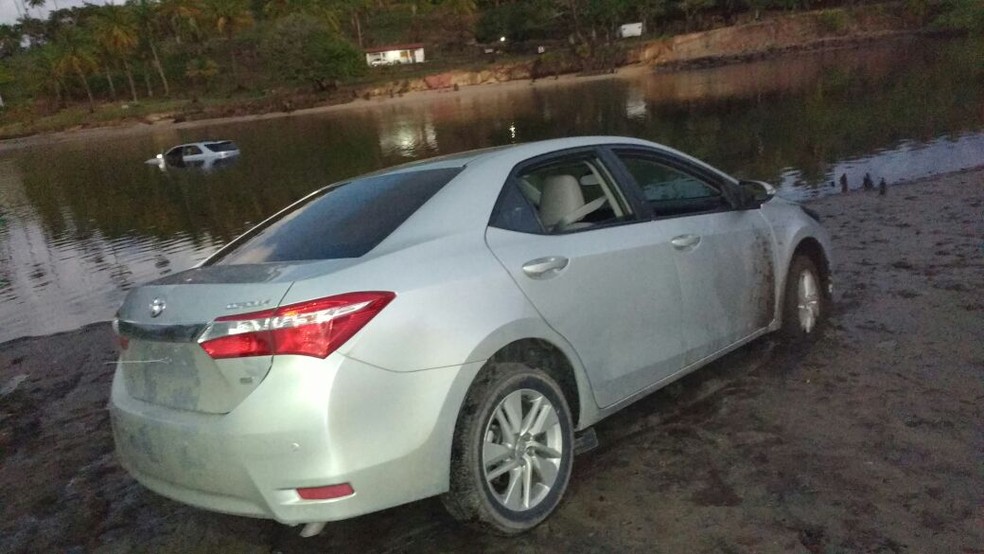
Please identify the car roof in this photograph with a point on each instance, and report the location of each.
(201, 143)
(464, 205)
(524, 150)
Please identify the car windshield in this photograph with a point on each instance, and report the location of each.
(222, 146)
(340, 222)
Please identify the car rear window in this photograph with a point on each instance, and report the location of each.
(340, 222)
(224, 146)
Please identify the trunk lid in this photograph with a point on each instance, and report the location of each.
(164, 365)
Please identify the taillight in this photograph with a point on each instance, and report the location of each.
(122, 342)
(314, 328)
(326, 493)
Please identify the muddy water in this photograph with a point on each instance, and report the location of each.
(82, 221)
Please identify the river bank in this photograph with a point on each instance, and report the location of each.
(867, 441)
(773, 36)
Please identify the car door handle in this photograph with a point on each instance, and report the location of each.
(545, 268)
(685, 242)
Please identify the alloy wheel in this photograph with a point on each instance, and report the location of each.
(522, 450)
(808, 301)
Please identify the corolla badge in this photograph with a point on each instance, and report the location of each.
(247, 304)
(157, 307)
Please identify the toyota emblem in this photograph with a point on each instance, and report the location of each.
(157, 307)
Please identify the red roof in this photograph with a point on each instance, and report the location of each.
(390, 47)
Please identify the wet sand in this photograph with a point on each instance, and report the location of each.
(869, 440)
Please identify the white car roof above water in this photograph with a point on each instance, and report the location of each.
(203, 143)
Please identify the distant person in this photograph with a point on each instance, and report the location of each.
(882, 187)
(843, 182)
(868, 183)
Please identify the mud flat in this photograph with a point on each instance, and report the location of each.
(869, 440)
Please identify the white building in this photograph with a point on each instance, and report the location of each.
(630, 30)
(395, 54)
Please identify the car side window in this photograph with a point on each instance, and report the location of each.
(192, 150)
(572, 194)
(515, 212)
(671, 191)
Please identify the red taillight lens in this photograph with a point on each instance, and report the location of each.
(122, 342)
(314, 328)
(326, 493)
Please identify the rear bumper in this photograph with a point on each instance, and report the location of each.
(309, 423)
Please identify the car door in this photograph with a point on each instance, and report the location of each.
(598, 274)
(192, 153)
(723, 254)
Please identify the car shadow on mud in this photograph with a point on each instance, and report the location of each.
(682, 411)
(56, 427)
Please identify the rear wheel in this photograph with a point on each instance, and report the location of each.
(804, 303)
(512, 452)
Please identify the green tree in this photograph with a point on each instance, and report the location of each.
(228, 18)
(302, 48)
(145, 13)
(115, 31)
(518, 21)
(606, 14)
(962, 15)
(44, 72)
(692, 8)
(323, 10)
(10, 40)
(6, 77)
(652, 11)
(201, 71)
(76, 55)
(181, 18)
(355, 10)
(36, 31)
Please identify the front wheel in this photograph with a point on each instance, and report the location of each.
(804, 302)
(512, 452)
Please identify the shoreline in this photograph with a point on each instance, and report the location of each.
(679, 53)
(412, 97)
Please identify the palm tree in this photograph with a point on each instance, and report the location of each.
(461, 12)
(46, 71)
(115, 30)
(181, 17)
(229, 18)
(75, 54)
(36, 4)
(355, 10)
(319, 9)
(10, 40)
(145, 13)
(34, 30)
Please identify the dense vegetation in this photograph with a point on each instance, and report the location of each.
(187, 49)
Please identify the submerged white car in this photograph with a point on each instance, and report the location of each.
(200, 155)
(446, 327)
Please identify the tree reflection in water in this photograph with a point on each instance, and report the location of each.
(82, 220)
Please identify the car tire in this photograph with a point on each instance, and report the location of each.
(507, 476)
(804, 306)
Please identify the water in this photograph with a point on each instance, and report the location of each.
(82, 220)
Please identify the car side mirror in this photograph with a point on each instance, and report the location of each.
(755, 193)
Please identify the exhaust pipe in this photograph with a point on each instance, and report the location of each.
(313, 528)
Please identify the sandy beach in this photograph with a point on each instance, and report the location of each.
(868, 440)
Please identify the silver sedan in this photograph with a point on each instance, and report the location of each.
(447, 328)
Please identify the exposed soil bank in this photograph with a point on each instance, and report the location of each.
(785, 33)
(870, 440)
